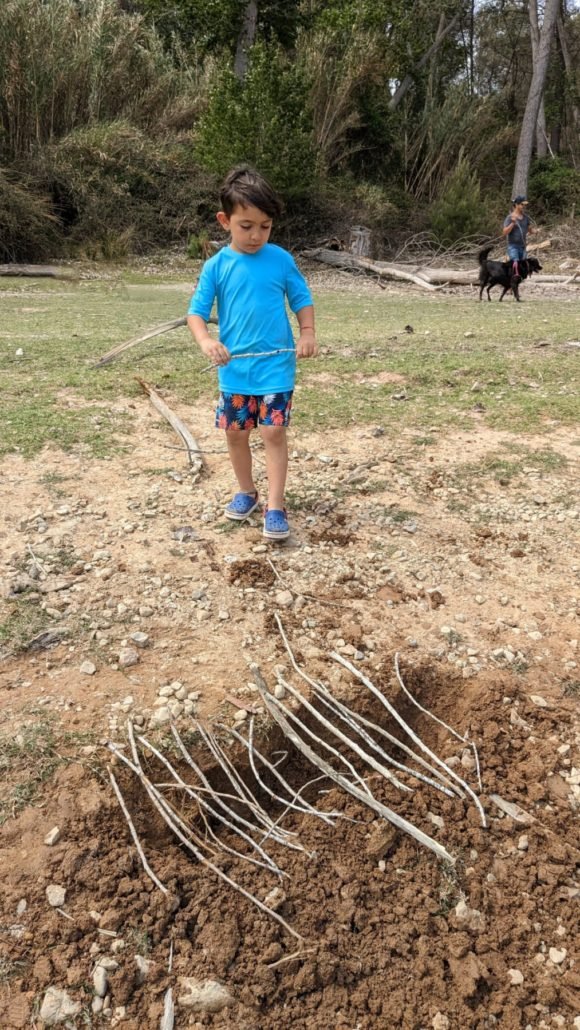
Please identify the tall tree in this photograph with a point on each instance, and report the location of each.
(246, 39)
(541, 135)
(536, 91)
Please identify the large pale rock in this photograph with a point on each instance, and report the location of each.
(57, 1006)
(203, 995)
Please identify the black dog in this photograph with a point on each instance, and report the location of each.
(508, 274)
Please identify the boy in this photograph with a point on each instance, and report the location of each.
(251, 280)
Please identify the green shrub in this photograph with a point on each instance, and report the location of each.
(263, 121)
(119, 189)
(459, 210)
(554, 186)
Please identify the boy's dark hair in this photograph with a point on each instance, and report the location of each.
(245, 187)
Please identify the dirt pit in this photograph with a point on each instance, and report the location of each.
(391, 936)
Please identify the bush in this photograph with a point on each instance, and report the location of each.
(459, 210)
(28, 228)
(263, 121)
(121, 190)
(554, 186)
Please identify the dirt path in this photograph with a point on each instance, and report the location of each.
(460, 553)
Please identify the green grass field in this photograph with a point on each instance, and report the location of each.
(517, 357)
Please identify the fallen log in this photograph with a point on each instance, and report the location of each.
(427, 277)
(194, 454)
(36, 271)
(342, 260)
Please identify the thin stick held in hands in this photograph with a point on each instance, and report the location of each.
(254, 354)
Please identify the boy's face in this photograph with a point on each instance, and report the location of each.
(249, 227)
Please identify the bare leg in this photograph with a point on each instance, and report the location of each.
(241, 458)
(276, 448)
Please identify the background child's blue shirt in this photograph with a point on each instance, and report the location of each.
(251, 292)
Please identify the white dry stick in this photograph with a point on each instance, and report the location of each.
(237, 782)
(451, 787)
(305, 808)
(377, 766)
(310, 733)
(411, 733)
(168, 815)
(316, 687)
(137, 843)
(219, 798)
(168, 1018)
(278, 712)
(454, 733)
(195, 455)
(346, 715)
(257, 354)
(200, 801)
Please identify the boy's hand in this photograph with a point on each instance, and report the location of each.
(215, 351)
(306, 345)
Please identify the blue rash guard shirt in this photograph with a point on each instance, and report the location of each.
(251, 292)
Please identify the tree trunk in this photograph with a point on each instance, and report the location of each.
(409, 79)
(246, 39)
(529, 121)
(541, 134)
(568, 65)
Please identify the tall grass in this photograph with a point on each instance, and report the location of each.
(67, 63)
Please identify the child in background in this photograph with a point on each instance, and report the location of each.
(251, 279)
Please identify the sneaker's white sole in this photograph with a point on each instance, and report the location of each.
(268, 535)
(240, 518)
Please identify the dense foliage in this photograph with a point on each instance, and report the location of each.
(117, 117)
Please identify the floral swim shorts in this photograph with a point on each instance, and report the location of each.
(246, 411)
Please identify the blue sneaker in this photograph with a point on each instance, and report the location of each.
(276, 524)
(241, 506)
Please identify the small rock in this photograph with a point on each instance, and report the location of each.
(88, 669)
(144, 967)
(523, 843)
(57, 1006)
(275, 899)
(21, 907)
(128, 657)
(55, 895)
(223, 615)
(516, 978)
(241, 715)
(140, 639)
(557, 955)
(440, 1022)
(100, 981)
(471, 917)
(204, 995)
(284, 598)
(52, 837)
(468, 760)
(280, 691)
(160, 717)
(539, 701)
(468, 335)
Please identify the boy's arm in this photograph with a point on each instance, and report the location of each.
(306, 346)
(213, 349)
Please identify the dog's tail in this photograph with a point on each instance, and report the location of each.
(482, 256)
